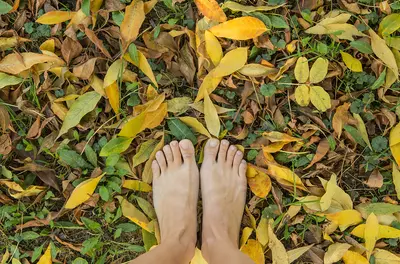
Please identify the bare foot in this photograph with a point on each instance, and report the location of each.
(175, 193)
(223, 189)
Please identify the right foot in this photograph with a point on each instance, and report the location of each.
(223, 189)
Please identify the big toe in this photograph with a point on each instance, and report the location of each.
(187, 150)
(211, 149)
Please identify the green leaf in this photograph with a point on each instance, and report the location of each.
(135, 248)
(355, 134)
(268, 89)
(133, 53)
(73, 159)
(379, 143)
(91, 155)
(112, 160)
(89, 244)
(79, 261)
(147, 208)
(82, 106)
(149, 240)
(4, 7)
(92, 225)
(380, 81)
(116, 146)
(29, 235)
(104, 193)
(8, 80)
(278, 22)
(37, 252)
(118, 17)
(263, 18)
(362, 46)
(117, 233)
(86, 7)
(389, 24)
(381, 208)
(127, 227)
(181, 131)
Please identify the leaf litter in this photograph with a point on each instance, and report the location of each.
(91, 90)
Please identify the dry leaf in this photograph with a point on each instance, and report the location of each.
(335, 252)
(241, 28)
(259, 181)
(254, 250)
(82, 192)
(133, 20)
(211, 10)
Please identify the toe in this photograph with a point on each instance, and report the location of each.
(242, 169)
(187, 151)
(230, 155)
(176, 152)
(161, 161)
(237, 160)
(222, 150)
(156, 169)
(211, 149)
(168, 154)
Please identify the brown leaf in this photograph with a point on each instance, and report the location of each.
(85, 70)
(96, 41)
(186, 64)
(48, 176)
(70, 49)
(340, 118)
(5, 144)
(34, 130)
(322, 149)
(375, 180)
(4, 119)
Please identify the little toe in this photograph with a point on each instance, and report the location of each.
(176, 152)
(242, 169)
(211, 149)
(156, 169)
(237, 160)
(187, 151)
(222, 150)
(161, 161)
(168, 154)
(230, 155)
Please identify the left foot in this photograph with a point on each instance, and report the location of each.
(175, 193)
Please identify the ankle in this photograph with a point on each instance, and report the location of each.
(181, 248)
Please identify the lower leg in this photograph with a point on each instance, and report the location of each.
(223, 187)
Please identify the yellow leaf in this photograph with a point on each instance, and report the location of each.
(82, 192)
(233, 61)
(155, 118)
(301, 70)
(257, 70)
(394, 142)
(352, 63)
(371, 233)
(259, 181)
(137, 185)
(340, 197)
(14, 65)
(55, 17)
(19, 193)
(298, 252)
(6, 43)
(98, 85)
(362, 129)
(242, 28)
(195, 125)
(340, 30)
(396, 178)
(211, 10)
(236, 7)
(133, 214)
(48, 45)
(335, 252)
(144, 152)
(345, 218)
(147, 175)
(385, 257)
(143, 65)
(46, 257)
(319, 70)
(326, 199)
(133, 20)
(320, 98)
(208, 85)
(281, 172)
(213, 48)
(211, 116)
(133, 127)
(112, 92)
(302, 95)
(262, 231)
(114, 72)
(254, 250)
(279, 254)
(383, 52)
(273, 148)
(198, 257)
(246, 233)
(275, 136)
(389, 24)
(149, 5)
(384, 231)
(351, 257)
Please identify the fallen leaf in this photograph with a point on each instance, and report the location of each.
(362, 129)
(352, 257)
(298, 252)
(112, 92)
(320, 98)
(394, 142)
(301, 70)
(254, 250)
(236, 7)
(198, 257)
(137, 185)
(371, 233)
(319, 70)
(133, 20)
(375, 180)
(82, 192)
(143, 65)
(211, 10)
(19, 193)
(147, 175)
(211, 116)
(335, 252)
(256, 70)
(345, 218)
(340, 196)
(396, 179)
(13, 65)
(340, 118)
(262, 232)
(259, 181)
(384, 231)
(275, 136)
(246, 233)
(231, 62)
(279, 254)
(241, 28)
(385, 257)
(55, 17)
(96, 41)
(85, 70)
(302, 95)
(115, 146)
(322, 150)
(46, 257)
(133, 214)
(279, 172)
(195, 125)
(144, 152)
(383, 52)
(352, 63)
(70, 49)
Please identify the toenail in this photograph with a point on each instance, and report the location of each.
(159, 153)
(225, 142)
(232, 148)
(239, 153)
(174, 143)
(184, 145)
(243, 162)
(213, 142)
